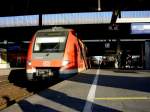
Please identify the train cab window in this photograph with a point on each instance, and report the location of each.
(49, 44)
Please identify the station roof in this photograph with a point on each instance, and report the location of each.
(11, 8)
(27, 7)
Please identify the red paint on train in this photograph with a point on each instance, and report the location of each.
(55, 52)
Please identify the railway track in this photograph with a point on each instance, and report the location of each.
(3, 81)
(9, 92)
(14, 90)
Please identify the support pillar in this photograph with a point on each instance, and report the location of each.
(147, 55)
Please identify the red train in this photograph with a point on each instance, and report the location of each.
(55, 52)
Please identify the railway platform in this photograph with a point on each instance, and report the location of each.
(94, 90)
(5, 72)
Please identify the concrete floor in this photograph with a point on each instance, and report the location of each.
(93, 90)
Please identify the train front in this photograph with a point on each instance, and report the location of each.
(46, 54)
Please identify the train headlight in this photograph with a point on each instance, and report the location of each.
(29, 63)
(65, 62)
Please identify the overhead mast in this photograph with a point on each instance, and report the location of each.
(99, 5)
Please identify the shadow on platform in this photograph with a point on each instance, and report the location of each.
(60, 98)
(124, 82)
(29, 107)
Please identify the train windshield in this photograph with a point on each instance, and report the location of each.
(50, 44)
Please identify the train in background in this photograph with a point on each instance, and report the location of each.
(16, 54)
(55, 52)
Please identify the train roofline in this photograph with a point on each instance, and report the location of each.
(55, 29)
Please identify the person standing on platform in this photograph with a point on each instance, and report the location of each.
(119, 59)
(123, 59)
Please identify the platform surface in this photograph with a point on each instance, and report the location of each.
(94, 90)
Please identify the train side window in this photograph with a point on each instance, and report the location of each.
(81, 49)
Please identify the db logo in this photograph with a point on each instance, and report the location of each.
(46, 63)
